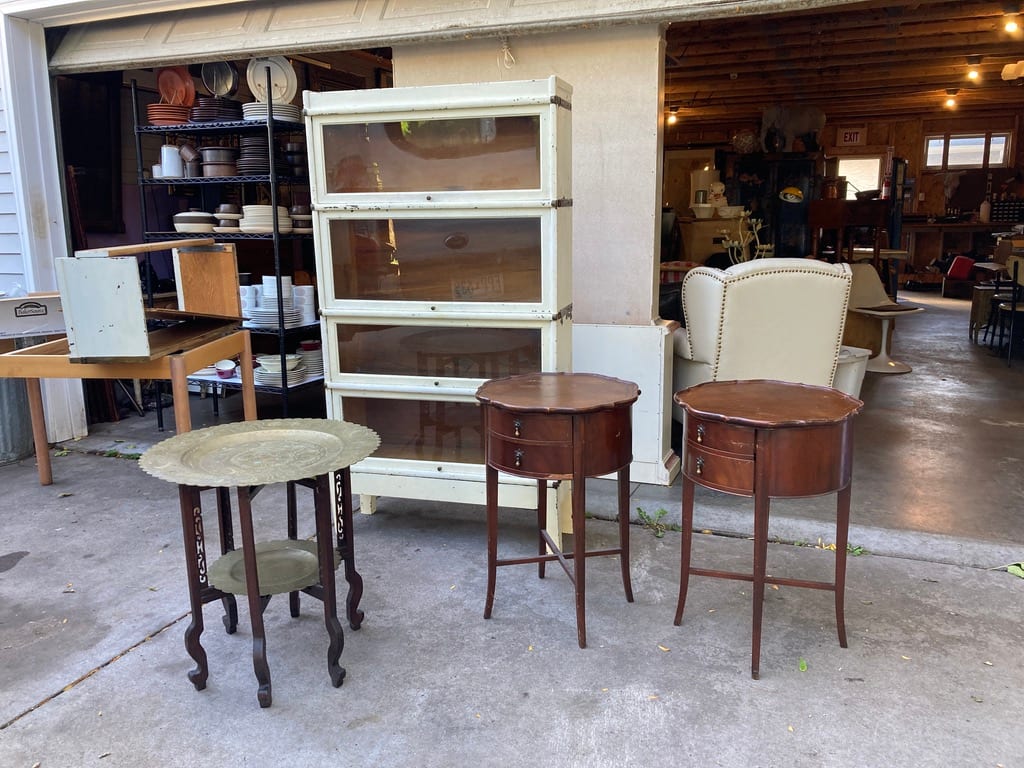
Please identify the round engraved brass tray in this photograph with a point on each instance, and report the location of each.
(259, 452)
(283, 566)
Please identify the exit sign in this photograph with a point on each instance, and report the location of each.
(850, 136)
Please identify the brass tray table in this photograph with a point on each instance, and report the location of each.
(315, 453)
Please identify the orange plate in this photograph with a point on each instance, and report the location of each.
(176, 86)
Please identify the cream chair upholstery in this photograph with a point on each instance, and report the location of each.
(763, 319)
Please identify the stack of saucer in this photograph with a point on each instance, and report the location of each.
(265, 315)
(215, 109)
(167, 114)
(259, 219)
(257, 112)
(253, 159)
(294, 376)
(312, 357)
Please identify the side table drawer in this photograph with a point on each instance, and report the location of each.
(721, 471)
(530, 426)
(529, 458)
(720, 437)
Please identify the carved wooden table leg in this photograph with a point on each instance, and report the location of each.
(195, 567)
(346, 547)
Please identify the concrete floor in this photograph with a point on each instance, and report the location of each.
(93, 606)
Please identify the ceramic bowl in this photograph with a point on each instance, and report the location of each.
(219, 169)
(703, 211)
(219, 154)
(225, 368)
(193, 228)
(193, 216)
(730, 211)
(272, 363)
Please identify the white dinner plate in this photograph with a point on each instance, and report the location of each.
(283, 82)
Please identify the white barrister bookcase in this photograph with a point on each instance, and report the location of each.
(443, 228)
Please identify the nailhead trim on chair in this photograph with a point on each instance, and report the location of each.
(726, 280)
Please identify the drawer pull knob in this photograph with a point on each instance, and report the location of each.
(700, 465)
(517, 425)
(700, 433)
(518, 457)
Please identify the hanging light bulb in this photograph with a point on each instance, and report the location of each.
(673, 118)
(951, 97)
(973, 73)
(1010, 24)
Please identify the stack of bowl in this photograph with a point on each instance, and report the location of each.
(219, 161)
(302, 219)
(295, 158)
(228, 215)
(193, 221)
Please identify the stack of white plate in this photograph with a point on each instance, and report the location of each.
(312, 361)
(259, 219)
(257, 112)
(266, 317)
(295, 376)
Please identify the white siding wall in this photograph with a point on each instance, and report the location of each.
(12, 271)
(32, 233)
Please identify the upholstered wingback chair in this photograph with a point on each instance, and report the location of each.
(762, 319)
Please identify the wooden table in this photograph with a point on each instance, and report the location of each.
(176, 353)
(767, 439)
(559, 426)
(246, 456)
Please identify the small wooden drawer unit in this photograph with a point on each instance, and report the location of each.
(559, 426)
(720, 456)
(541, 444)
(767, 439)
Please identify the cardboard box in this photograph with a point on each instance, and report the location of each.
(37, 314)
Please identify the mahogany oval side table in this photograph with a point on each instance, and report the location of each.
(767, 439)
(559, 426)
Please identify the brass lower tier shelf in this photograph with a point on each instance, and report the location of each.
(287, 565)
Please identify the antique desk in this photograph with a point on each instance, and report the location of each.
(559, 426)
(767, 439)
(246, 456)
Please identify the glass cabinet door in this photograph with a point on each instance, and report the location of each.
(476, 259)
(436, 351)
(469, 153)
